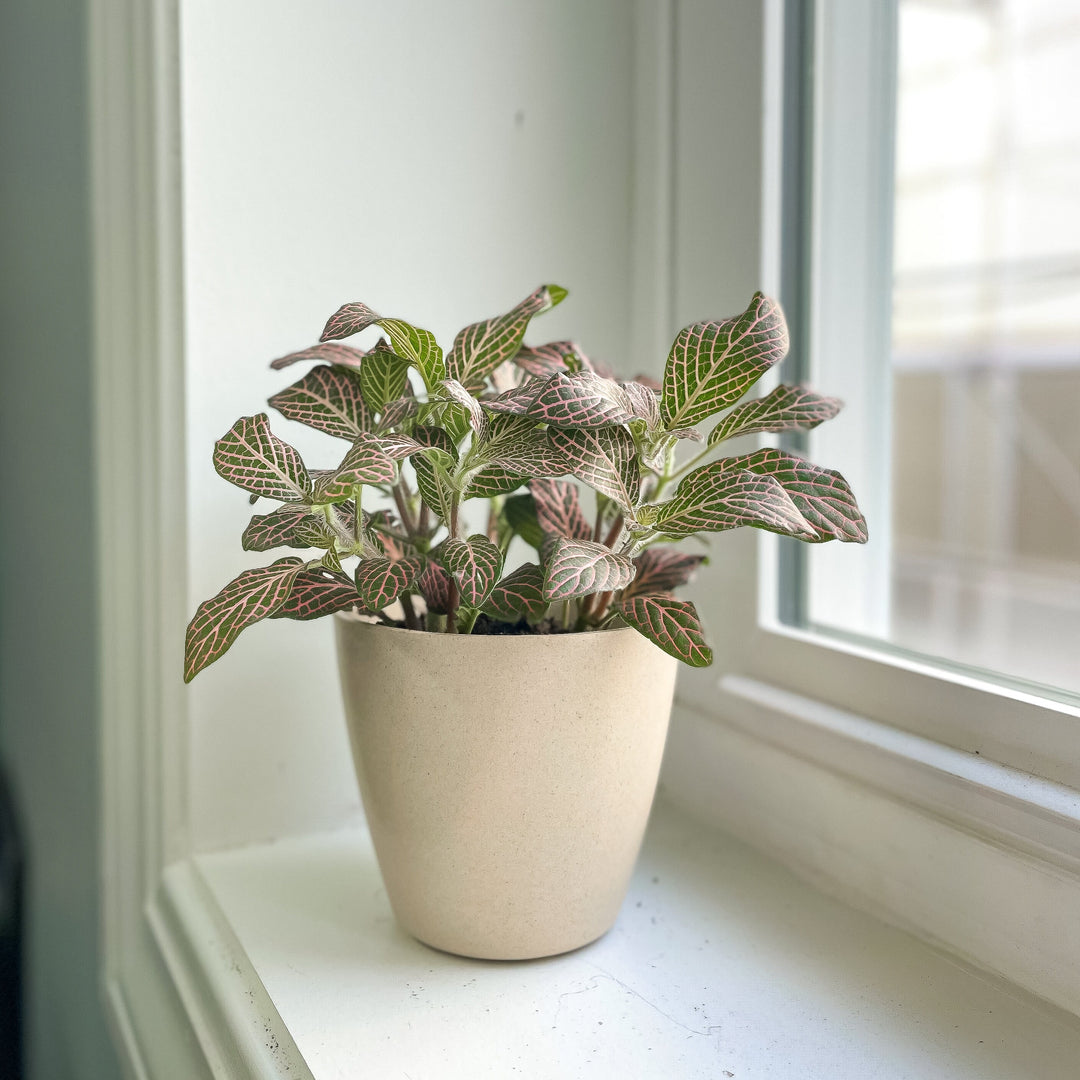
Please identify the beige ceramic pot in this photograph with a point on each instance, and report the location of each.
(506, 780)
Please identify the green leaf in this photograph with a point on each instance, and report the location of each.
(365, 463)
(480, 348)
(822, 496)
(328, 399)
(712, 364)
(329, 352)
(519, 445)
(417, 346)
(434, 481)
(250, 456)
(494, 480)
(558, 509)
(579, 567)
(383, 377)
(292, 525)
(718, 496)
(787, 408)
(520, 514)
(399, 410)
(671, 624)
(476, 564)
(604, 458)
(379, 582)
(217, 623)
(315, 593)
(478, 419)
(519, 593)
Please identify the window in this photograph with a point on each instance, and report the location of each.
(941, 295)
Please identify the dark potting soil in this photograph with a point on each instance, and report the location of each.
(493, 627)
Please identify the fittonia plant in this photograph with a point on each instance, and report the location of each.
(487, 434)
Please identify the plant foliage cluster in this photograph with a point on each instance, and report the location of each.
(498, 425)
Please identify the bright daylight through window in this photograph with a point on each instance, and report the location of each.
(980, 565)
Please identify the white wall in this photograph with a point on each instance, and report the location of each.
(436, 161)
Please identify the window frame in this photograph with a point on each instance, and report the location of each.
(1012, 726)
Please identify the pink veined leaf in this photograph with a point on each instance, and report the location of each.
(365, 463)
(389, 545)
(717, 497)
(379, 582)
(398, 411)
(579, 567)
(250, 456)
(292, 525)
(649, 382)
(558, 510)
(519, 445)
(786, 408)
(544, 360)
(316, 593)
(436, 587)
(661, 569)
(671, 624)
(328, 352)
(519, 593)
(434, 482)
(604, 458)
(456, 392)
(822, 496)
(644, 404)
(398, 445)
(328, 399)
(480, 348)
(582, 399)
(712, 364)
(411, 343)
(476, 564)
(517, 401)
(384, 377)
(252, 596)
(494, 480)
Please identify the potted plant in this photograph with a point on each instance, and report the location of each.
(508, 716)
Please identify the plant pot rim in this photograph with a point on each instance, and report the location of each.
(352, 619)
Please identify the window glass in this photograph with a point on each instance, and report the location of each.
(983, 546)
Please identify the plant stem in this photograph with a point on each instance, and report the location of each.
(602, 604)
(358, 495)
(403, 510)
(455, 595)
(411, 620)
(598, 528)
(614, 532)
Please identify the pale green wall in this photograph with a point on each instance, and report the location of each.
(48, 691)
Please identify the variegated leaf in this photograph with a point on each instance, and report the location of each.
(494, 480)
(519, 444)
(787, 408)
(250, 456)
(252, 596)
(315, 593)
(477, 417)
(365, 463)
(604, 458)
(434, 482)
(398, 411)
(644, 404)
(383, 377)
(328, 352)
(328, 399)
(579, 567)
(718, 497)
(661, 569)
(516, 401)
(434, 438)
(476, 564)
(292, 525)
(671, 624)
(580, 400)
(480, 348)
(558, 509)
(822, 496)
(379, 582)
(417, 346)
(519, 593)
(520, 514)
(712, 364)
(436, 587)
(545, 360)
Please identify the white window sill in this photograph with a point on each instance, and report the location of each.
(721, 964)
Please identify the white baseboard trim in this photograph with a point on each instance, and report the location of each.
(972, 856)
